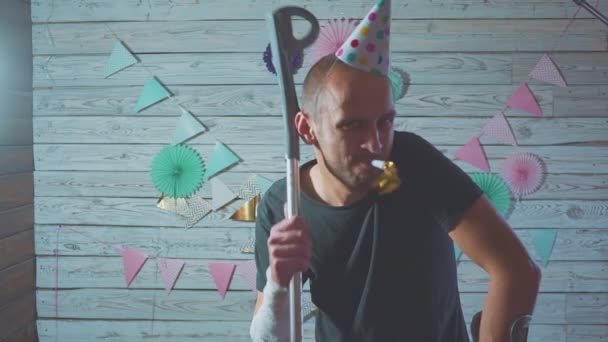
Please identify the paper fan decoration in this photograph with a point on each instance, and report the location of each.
(399, 82)
(331, 37)
(495, 189)
(296, 61)
(524, 173)
(177, 171)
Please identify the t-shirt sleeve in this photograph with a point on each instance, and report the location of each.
(443, 186)
(265, 219)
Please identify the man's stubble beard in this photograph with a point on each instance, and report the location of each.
(356, 185)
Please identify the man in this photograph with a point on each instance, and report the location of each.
(381, 267)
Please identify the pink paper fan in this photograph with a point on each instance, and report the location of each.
(331, 37)
(524, 173)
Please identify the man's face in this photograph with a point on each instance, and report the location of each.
(356, 126)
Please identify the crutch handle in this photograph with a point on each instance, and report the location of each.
(283, 47)
(519, 328)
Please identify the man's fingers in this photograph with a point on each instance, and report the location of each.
(293, 236)
(288, 223)
(290, 251)
(288, 266)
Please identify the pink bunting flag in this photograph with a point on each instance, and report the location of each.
(222, 273)
(473, 154)
(523, 99)
(132, 260)
(169, 271)
(248, 270)
(547, 71)
(499, 129)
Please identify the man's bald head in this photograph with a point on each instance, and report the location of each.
(330, 82)
(316, 95)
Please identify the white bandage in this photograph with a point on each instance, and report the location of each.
(271, 321)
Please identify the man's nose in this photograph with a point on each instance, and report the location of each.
(373, 143)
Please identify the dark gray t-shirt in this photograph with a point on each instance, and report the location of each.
(383, 269)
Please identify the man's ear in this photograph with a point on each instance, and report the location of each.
(305, 128)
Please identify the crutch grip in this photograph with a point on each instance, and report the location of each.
(284, 45)
(518, 331)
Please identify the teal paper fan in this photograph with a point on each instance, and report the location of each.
(177, 171)
(495, 189)
(396, 84)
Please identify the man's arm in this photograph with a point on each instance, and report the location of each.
(286, 251)
(487, 239)
(258, 302)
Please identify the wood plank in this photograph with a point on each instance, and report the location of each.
(17, 190)
(231, 130)
(108, 10)
(139, 184)
(123, 184)
(25, 334)
(17, 280)
(17, 314)
(421, 100)
(16, 159)
(117, 211)
(218, 243)
(190, 305)
(234, 100)
(587, 333)
(457, 35)
(16, 220)
(590, 308)
(225, 243)
(143, 212)
(16, 248)
(157, 331)
(248, 68)
(270, 158)
(582, 69)
(172, 331)
(138, 304)
(580, 101)
(106, 272)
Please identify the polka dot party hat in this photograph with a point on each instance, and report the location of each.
(368, 48)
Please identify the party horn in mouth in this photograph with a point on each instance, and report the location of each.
(389, 180)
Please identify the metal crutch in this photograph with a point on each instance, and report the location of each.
(519, 328)
(283, 46)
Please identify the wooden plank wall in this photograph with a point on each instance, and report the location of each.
(17, 258)
(92, 153)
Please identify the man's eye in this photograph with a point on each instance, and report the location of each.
(349, 124)
(387, 121)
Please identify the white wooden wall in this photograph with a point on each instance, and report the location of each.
(92, 153)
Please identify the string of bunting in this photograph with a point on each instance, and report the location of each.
(178, 171)
(523, 173)
(170, 269)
